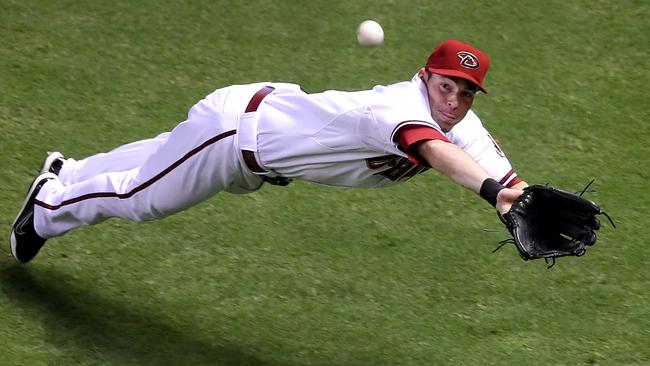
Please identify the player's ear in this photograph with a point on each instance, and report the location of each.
(422, 74)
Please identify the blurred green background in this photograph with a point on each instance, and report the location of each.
(311, 276)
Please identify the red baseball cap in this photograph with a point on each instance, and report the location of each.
(455, 58)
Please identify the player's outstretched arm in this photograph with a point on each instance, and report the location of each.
(455, 163)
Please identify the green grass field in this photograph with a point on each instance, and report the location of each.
(311, 276)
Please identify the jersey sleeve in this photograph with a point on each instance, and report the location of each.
(407, 135)
(473, 138)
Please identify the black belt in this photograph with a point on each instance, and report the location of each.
(249, 156)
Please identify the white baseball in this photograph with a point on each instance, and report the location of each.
(370, 34)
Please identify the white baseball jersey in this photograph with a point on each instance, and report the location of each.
(351, 139)
(344, 139)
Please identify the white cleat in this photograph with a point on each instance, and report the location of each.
(53, 163)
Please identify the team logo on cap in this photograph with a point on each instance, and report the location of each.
(468, 60)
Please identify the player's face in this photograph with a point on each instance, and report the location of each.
(450, 98)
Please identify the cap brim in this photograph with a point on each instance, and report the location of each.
(459, 74)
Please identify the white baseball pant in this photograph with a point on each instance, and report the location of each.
(152, 179)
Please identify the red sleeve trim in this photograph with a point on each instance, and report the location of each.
(410, 134)
(510, 179)
(513, 182)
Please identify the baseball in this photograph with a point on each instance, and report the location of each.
(370, 34)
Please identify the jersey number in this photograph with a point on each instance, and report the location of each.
(395, 168)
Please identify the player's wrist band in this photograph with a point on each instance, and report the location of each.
(489, 191)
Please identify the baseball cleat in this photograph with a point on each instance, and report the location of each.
(25, 242)
(53, 163)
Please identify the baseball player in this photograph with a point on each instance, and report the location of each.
(241, 136)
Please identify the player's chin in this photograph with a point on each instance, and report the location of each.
(447, 125)
(447, 121)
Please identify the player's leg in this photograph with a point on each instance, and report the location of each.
(228, 100)
(120, 159)
(197, 160)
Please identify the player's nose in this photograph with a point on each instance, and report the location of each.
(452, 101)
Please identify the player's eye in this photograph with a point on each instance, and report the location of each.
(446, 86)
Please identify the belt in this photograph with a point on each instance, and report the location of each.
(257, 98)
(249, 156)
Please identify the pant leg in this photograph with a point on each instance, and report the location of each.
(230, 100)
(197, 160)
(120, 159)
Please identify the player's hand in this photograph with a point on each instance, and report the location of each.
(506, 198)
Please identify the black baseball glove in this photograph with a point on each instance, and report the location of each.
(547, 222)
